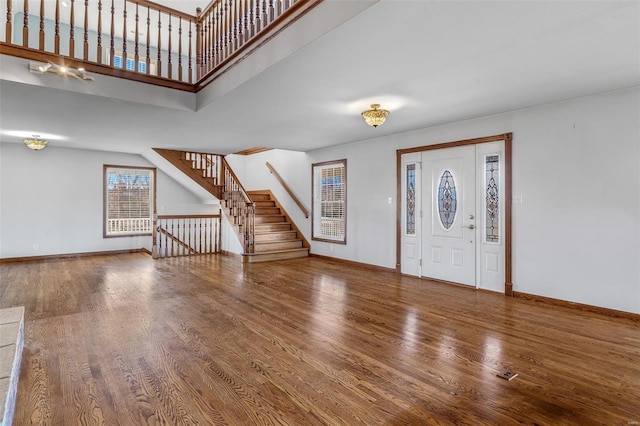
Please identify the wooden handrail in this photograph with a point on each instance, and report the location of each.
(233, 175)
(188, 216)
(289, 191)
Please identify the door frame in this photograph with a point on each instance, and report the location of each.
(507, 138)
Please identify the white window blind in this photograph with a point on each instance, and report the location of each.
(128, 200)
(118, 62)
(330, 201)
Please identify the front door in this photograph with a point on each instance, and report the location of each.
(453, 213)
(449, 225)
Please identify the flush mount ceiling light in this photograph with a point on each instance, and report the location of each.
(43, 68)
(35, 143)
(374, 116)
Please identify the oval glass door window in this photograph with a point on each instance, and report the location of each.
(447, 199)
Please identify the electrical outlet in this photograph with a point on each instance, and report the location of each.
(507, 375)
(35, 246)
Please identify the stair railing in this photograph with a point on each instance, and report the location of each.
(141, 40)
(185, 235)
(240, 207)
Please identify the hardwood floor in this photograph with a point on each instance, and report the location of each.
(126, 340)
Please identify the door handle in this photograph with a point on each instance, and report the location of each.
(472, 226)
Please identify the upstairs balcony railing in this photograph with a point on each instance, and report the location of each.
(142, 40)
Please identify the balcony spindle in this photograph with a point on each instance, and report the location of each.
(72, 33)
(236, 19)
(41, 33)
(198, 45)
(124, 37)
(136, 42)
(169, 66)
(190, 42)
(228, 28)
(147, 59)
(8, 31)
(25, 24)
(99, 45)
(216, 39)
(112, 51)
(211, 48)
(159, 64)
(252, 24)
(257, 20)
(265, 16)
(85, 45)
(180, 48)
(246, 21)
(272, 11)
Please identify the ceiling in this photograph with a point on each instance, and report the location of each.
(428, 62)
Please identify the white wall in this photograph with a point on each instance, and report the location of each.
(293, 168)
(54, 198)
(576, 164)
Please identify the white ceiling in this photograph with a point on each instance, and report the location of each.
(428, 62)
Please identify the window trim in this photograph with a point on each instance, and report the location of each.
(153, 191)
(314, 213)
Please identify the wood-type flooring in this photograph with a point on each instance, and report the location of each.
(128, 340)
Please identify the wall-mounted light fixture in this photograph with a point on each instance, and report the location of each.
(375, 116)
(35, 143)
(46, 67)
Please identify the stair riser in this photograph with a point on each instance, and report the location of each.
(275, 236)
(267, 211)
(260, 197)
(268, 219)
(281, 245)
(272, 227)
(261, 204)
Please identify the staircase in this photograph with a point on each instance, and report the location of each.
(203, 168)
(275, 236)
(263, 227)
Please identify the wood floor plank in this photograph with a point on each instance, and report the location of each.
(128, 340)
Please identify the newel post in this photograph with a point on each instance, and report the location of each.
(248, 228)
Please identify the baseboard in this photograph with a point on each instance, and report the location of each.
(353, 263)
(71, 255)
(579, 306)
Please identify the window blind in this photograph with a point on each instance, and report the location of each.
(128, 200)
(329, 201)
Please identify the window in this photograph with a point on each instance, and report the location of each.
(129, 200)
(142, 62)
(329, 208)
